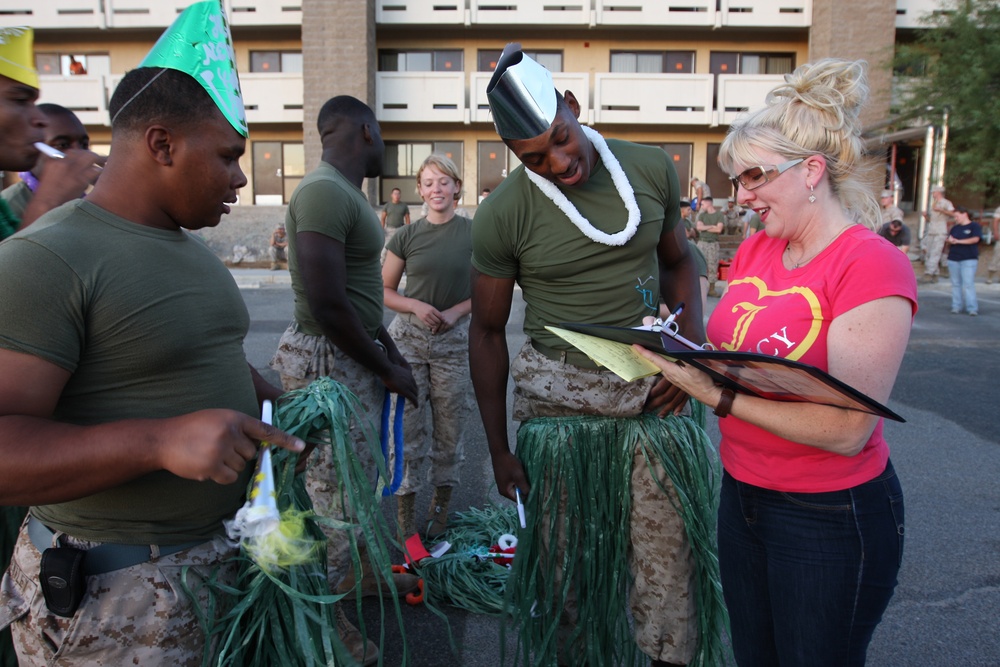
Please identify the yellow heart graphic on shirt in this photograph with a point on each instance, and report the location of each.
(747, 311)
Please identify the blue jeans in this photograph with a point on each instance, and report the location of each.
(963, 284)
(807, 576)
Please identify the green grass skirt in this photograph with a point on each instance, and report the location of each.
(586, 462)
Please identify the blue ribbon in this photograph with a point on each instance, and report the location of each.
(397, 440)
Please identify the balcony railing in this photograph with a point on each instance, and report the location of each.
(86, 96)
(738, 93)
(663, 99)
(767, 13)
(79, 14)
(272, 97)
(578, 83)
(52, 13)
(420, 96)
(531, 12)
(264, 12)
(910, 12)
(433, 12)
(656, 12)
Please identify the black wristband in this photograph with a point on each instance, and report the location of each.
(725, 403)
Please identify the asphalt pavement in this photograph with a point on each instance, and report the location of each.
(946, 609)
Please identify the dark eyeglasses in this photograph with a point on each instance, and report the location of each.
(754, 177)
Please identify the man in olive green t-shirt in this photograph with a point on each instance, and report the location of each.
(395, 214)
(710, 224)
(127, 407)
(583, 248)
(334, 241)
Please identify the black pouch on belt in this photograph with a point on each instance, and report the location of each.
(62, 579)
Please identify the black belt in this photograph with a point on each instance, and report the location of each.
(573, 357)
(106, 558)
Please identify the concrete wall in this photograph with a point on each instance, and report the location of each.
(249, 226)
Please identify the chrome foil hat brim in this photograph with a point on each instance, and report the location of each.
(521, 94)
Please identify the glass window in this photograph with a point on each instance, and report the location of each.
(486, 59)
(277, 168)
(421, 61)
(652, 62)
(550, 60)
(47, 63)
(402, 160)
(276, 61)
(495, 162)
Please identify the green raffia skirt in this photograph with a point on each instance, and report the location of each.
(580, 471)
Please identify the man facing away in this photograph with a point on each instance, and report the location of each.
(937, 231)
(559, 227)
(127, 407)
(334, 242)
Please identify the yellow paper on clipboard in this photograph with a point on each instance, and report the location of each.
(618, 358)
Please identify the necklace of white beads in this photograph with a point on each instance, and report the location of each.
(620, 180)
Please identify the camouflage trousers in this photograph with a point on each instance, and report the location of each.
(434, 431)
(710, 249)
(662, 599)
(299, 360)
(933, 250)
(138, 615)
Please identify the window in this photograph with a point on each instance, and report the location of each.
(276, 61)
(421, 61)
(751, 63)
(680, 156)
(278, 167)
(653, 62)
(550, 60)
(495, 162)
(72, 64)
(402, 159)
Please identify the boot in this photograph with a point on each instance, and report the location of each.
(989, 277)
(437, 517)
(372, 587)
(363, 650)
(711, 289)
(406, 515)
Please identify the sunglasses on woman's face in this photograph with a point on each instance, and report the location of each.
(754, 177)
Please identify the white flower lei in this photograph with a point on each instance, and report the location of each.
(620, 180)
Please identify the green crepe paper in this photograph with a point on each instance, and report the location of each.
(199, 43)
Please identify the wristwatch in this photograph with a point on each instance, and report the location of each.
(725, 403)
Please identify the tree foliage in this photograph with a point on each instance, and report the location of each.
(959, 54)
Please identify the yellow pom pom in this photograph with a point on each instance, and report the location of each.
(286, 546)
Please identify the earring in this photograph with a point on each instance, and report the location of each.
(812, 196)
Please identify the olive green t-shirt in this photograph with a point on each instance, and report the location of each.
(395, 215)
(710, 219)
(564, 275)
(150, 324)
(17, 197)
(438, 260)
(327, 203)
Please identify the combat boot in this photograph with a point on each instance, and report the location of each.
(406, 515)
(363, 650)
(437, 517)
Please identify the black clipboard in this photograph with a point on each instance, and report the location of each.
(762, 375)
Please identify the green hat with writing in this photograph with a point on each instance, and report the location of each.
(199, 43)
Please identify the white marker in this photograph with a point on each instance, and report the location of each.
(48, 150)
(520, 508)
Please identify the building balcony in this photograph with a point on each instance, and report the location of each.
(264, 12)
(766, 13)
(422, 97)
(530, 12)
(272, 97)
(86, 14)
(653, 99)
(738, 93)
(910, 12)
(655, 12)
(143, 13)
(52, 14)
(86, 96)
(578, 83)
(415, 12)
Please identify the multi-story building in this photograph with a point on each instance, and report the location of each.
(673, 73)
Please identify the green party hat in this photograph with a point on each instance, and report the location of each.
(199, 43)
